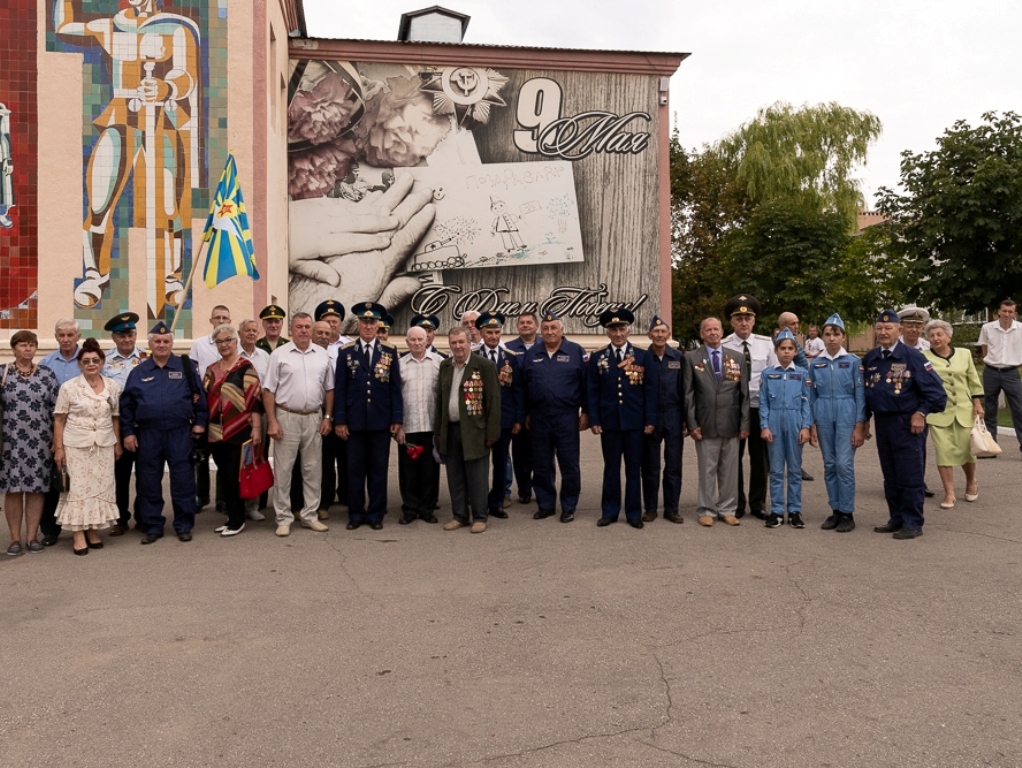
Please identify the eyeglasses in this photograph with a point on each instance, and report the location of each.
(220, 342)
(90, 361)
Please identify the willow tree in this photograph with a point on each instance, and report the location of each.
(805, 156)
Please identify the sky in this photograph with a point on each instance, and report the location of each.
(919, 66)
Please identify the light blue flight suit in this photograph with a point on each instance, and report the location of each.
(838, 398)
(784, 410)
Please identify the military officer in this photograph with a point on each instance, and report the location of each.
(272, 317)
(669, 431)
(121, 361)
(367, 412)
(901, 390)
(622, 393)
(335, 452)
(512, 404)
(555, 412)
(163, 412)
(757, 352)
(383, 330)
(521, 444)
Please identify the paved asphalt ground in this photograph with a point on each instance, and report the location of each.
(533, 644)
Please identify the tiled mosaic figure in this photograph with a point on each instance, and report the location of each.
(6, 169)
(148, 134)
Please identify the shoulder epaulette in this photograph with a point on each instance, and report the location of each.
(349, 345)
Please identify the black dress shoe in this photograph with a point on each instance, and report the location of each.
(49, 539)
(543, 514)
(118, 530)
(567, 517)
(648, 516)
(927, 492)
(94, 544)
(636, 523)
(376, 526)
(429, 519)
(186, 536)
(524, 499)
(152, 537)
(831, 522)
(759, 514)
(887, 528)
(806, 477)
(604, 521)
(673, 517)
(500, 514)
(353, 526)
(908, 533)
(80, 551)
(406, 520)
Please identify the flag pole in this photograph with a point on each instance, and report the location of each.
(188, 285)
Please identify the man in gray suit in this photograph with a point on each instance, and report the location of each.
(717, 395)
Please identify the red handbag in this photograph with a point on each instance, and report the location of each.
(256, 475)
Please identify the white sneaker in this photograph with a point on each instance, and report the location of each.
(255, 514)
(315, 525)
(220, 530)
(283, 530)
(232, 531)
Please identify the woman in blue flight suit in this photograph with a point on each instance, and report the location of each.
(785, 418)
(838, 399)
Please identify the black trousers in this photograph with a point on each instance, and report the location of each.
(122, 478)
(419, 478)
(228, 464)
(758, 467)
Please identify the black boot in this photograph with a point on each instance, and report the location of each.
(831, 522)
(846, 523)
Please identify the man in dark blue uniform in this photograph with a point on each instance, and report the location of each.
(521, 444)
(622, 386)
(368, 410)
(512, 404)
(555, 412)
(669, 431)
(901, 390)
(163, 412)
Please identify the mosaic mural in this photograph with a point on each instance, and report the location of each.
(154, 121)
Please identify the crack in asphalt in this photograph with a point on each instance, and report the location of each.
(351, 578)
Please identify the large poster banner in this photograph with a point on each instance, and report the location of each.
(446, 189)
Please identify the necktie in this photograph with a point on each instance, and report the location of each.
(886, 354)
(748, 360)
(620, 356)
(493, 356)
(716, 363)
(369, 355)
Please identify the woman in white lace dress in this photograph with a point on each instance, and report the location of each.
(87, 440)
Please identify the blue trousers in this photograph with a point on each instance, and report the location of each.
(368, 462)
(173, 447)
(671, 440)
(499, 450)
(901, 459)
(618, 443)
(785, 451)
(835, 423)
(556, 436)
(522, 461)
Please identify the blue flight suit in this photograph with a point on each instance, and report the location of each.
(896, 388)
(157, 408)
(668, 432)
(555, 391)
(622, 402)
(521, 454)
(368, 400)
(784, 410)
(838, 399)
(512, 411)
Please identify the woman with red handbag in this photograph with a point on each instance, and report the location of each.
(235, 414)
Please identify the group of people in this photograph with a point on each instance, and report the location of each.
(77, 424)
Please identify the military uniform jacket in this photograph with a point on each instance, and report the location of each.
(478, 405)
(903, 383)
(512, 386)
(265, 346)
(555, 385)
(117, 367)
(622, 396)
(161, 398)
(670, 403)
(368, 397)
(719, 409)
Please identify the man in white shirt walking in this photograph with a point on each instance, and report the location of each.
(1000, 342)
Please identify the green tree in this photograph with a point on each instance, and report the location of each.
(958, 222)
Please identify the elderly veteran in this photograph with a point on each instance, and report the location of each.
(901, 391)
(757, 353)
(913, 319)
(334, 483)
(368, 412)
(668, 436)
(430, 324)
(121, 361)
(417, 471)
(163, 412)
(951, 429)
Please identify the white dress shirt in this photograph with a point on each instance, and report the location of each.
(260, 360)
(1004, 347)
(203, 353)
(299, 380)
(761, 350)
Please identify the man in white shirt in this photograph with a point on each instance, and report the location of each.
(417, 471)
(468, 322)
(1000, 342)
(298, 395)
(757, 353)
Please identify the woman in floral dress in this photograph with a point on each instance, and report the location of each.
(27, 394)
(87, 440)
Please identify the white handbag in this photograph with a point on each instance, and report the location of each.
(982, 442)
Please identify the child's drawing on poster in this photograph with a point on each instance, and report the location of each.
(499, 215)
